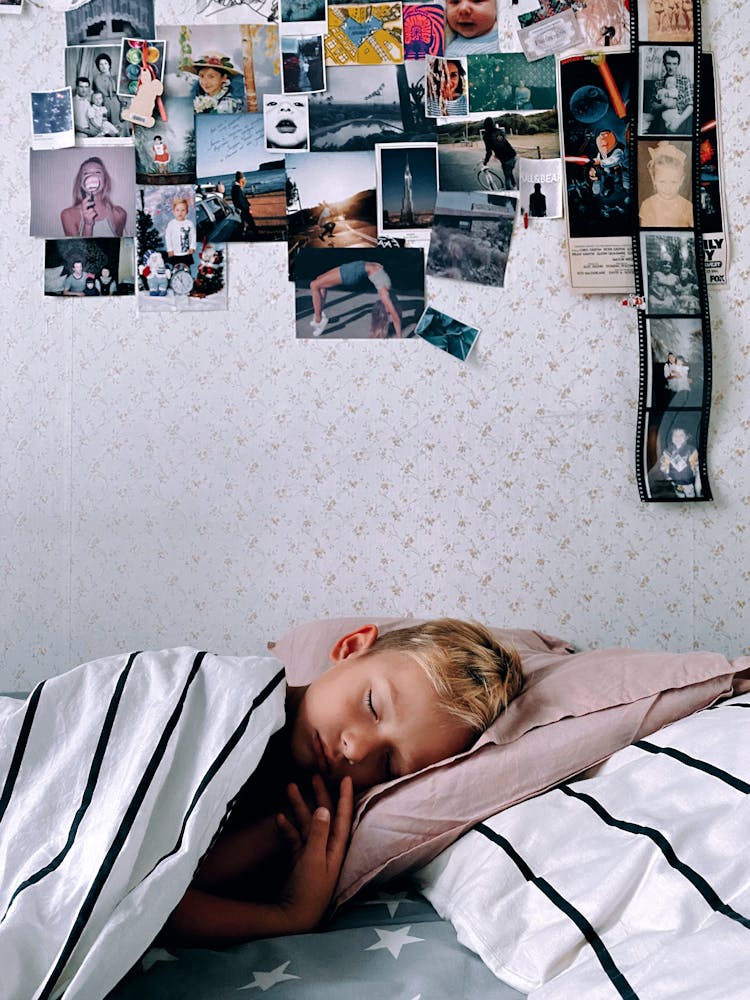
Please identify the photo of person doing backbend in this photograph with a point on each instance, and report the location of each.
(385, 311)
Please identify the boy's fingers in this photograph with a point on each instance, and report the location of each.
(289, 831)
(317, 840)
(322, 795)
(299, 808)
(342, 823)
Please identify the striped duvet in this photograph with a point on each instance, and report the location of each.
(114, 778)
(631, 883)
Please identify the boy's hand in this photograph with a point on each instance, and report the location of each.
(308, 891)
(297, 830)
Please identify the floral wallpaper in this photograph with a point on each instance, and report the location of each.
(209, 480)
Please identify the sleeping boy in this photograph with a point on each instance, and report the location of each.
(388, 706)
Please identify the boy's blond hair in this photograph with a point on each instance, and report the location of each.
(180, 199)
(475, 676)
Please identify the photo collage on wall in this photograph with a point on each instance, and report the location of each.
(349, 127)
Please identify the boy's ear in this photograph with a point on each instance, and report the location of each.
(354, 642)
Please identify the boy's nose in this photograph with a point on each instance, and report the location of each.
(356, 745)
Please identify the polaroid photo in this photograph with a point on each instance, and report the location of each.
(135, 53)
(11, 6)
(82, 192)
(508, 82)
(407, 188)
(424, 30)
(551, 35)
(286, 123)
(303, 68)
(447, 91)
(449, 334)
(231, 155)
(667, 98)
(675, 363)
(52, 119)
(659, 21)
(670, 455)
(332, 200)
(671, 273)
(91, 73)
(471, 236)
(362, 108)
(89, 268)
(665, 188)
(364, 34)
(105, 22)
(358, 294)
(540, 186)
(251, 12)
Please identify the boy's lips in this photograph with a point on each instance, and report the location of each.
(321, 754)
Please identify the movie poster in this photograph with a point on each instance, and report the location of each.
(595, 90)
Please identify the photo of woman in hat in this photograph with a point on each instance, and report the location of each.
(219, 89)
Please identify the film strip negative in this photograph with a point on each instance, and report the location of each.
(668, 249)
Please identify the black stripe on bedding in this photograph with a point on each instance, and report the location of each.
(88, 791)
(724, 704)
(121, 836)
(697, 881)
(219, 762)
(699, 765)
(615, 976)
(32, 704)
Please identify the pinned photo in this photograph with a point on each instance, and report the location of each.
(671, 273)
(75, 192)
(358, 294)
(165, 154)
(247, 185)
(605, 23)
(11, 6)
(286, 122)
(302, 17)
(470, 27)
(665, 184)
(208, 65)
(447, 94)
(52, 119)
(483, 152)
(552, 28)
(97, 108)
(371, 105)
(509, 82)
(424, 30)
(540, 188)
(450, 335)
(364, 34)
(303, 69)
(471, 235)
(135, 53)
(104, 21)
(331, 200)
(407, 188)
(89, 268)
(250, 12)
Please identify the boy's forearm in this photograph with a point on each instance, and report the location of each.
(202, 919)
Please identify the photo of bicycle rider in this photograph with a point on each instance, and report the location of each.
(595, 139)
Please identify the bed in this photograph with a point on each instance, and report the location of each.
(590, 843)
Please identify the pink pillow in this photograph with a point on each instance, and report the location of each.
(574, 711)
